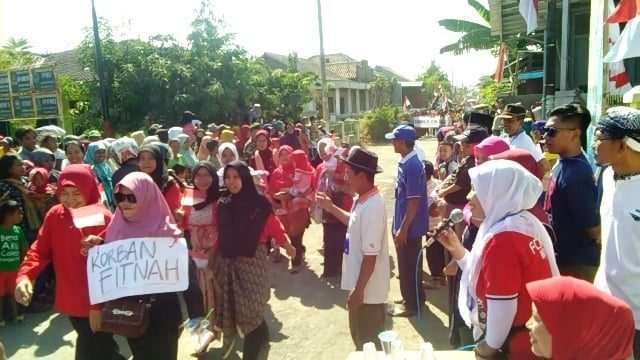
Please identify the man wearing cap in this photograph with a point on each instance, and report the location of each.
(617, 145)
(513, 120)
(365, 263)
(410, 220)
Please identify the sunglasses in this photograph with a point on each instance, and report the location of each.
(553, 131)
(120, 197)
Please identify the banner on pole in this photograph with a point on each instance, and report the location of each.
(137, 266)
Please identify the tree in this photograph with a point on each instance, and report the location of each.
(434, 81)
(210, 76)
(16, 53)
(474, 36)
(381, 90)
(490, 90)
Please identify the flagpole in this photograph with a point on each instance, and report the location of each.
(104, 100)
(323, 72)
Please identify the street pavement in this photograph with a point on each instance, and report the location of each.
(307, 315)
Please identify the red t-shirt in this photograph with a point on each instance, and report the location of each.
(173, 195)
(510, 261)
(58, 242)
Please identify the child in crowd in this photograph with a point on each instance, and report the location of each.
(41, 189)
(435, 254)
(302, 189)
(447, 163)
(13, 246)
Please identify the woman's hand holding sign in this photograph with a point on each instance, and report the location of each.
(24, 291)
(89, 242)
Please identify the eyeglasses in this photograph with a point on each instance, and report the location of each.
(120, 197)
(553, 131)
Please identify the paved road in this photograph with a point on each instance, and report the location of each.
(307, 317)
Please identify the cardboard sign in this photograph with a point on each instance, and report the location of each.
(424, 121)
(137, 266)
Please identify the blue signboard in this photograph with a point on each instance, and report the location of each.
(20, 81)
(47, 105)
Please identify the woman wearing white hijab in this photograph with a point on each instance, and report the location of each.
(511, 249)
(227, 153)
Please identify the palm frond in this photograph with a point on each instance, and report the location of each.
(465, 26)
(482, 11)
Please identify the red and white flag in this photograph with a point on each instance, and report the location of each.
(192, 197)
(627, 45)
(619, 82)
(88, 216)
(406, 104)
(625, 11)
(529, 11)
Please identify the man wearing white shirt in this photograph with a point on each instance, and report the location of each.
(513, 120)
(365, 264)
(617, 143)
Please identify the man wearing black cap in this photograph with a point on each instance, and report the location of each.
(366, 249)
(617, 145)
(513, 121)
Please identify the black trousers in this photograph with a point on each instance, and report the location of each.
(193, 295)
(407, 260)
(334, 234)
(256, 343)
(296, 241)
(93, 346)
(436, 259)
(636, 346)
(160, 342)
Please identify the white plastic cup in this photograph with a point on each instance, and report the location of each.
(426, 351)
(386, 338)
(369, 351)
(397, 350)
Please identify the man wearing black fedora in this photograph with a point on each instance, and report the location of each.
(365, 263)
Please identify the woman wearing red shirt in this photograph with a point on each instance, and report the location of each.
(295, 222)
(511, 249)
(58, 242)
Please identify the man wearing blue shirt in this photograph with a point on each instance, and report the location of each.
(572, 198)
(410, 220)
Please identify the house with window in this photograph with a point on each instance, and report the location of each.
(349, 82)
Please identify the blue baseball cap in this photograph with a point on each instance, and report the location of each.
(402, 132)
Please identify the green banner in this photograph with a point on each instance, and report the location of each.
(23, 106)
(5, 109)
(47, 105)
(43, 79)
(20, 81)
(4, 84)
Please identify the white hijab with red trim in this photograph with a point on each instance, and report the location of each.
(505, 190)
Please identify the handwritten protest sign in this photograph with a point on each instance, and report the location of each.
(137, 267)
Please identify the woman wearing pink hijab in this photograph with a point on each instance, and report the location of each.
(143, 212)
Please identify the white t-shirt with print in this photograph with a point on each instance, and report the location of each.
(367, 235)
(523, 141)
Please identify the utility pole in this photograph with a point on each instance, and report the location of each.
(104, 100)
(323, 72)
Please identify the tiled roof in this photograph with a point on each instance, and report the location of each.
(348, 71)
(68, 64)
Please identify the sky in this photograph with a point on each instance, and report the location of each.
(401, 34)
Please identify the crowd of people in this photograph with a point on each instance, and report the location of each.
(541, 224)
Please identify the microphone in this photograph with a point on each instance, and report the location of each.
(455, 217)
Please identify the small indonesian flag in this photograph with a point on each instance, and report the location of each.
(191, 197)
(500, 68)
(618, 77)
(529, 11)
(627, 45)
(88, 216)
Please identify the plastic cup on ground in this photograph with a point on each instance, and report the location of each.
(386, 339)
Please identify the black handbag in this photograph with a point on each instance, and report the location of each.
(128, 317)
